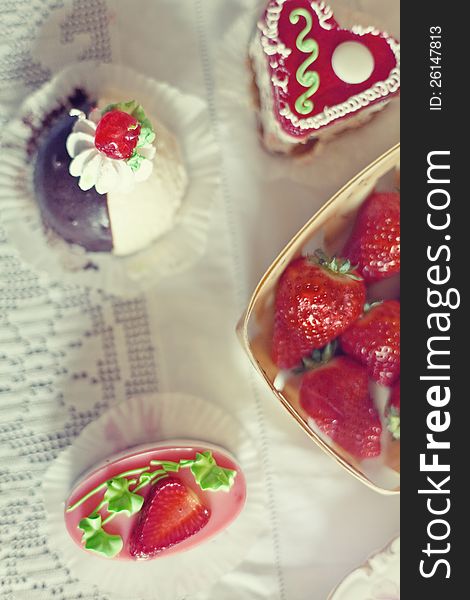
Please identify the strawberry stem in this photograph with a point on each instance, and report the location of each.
(370, 305)
(340, 266)
(319, 356)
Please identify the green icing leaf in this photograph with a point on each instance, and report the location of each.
(97, 540)
(207, 473)
(135, 161)
(146, 136)
(209, 476)
(127, 107)
(120, 499)
(105, 544)
(139, 113)
(90, 525)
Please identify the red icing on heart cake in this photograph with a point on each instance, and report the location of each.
(315, 78)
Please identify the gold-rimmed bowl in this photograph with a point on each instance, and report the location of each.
(327, 229)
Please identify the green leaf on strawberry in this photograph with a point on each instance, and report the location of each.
(335, 264)
(120, 499)
(208, 474)
(97, 540)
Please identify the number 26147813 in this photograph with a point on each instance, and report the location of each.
(435, 70)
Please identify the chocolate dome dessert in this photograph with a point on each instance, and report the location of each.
(78, 217)
(105, 179)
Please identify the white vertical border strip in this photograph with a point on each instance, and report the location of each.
(241, 293)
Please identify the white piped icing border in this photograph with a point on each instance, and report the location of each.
(272, 46)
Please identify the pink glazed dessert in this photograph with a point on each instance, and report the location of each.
(155, 500)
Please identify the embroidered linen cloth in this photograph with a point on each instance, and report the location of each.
(67, 353)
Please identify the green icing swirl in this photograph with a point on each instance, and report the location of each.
(308, 79)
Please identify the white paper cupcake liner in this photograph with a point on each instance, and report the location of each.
(234, 84)
(143, 420)
(184, 115)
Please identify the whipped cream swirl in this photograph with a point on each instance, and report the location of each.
(93, 167)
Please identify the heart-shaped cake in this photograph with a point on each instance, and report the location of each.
(314, 78)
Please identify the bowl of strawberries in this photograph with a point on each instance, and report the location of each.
(323, 326)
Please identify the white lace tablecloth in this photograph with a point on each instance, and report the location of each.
(67, 353)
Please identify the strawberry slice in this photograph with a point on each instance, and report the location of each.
(171, 514)
(336, 396)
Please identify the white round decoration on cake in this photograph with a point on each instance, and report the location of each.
(352, 62)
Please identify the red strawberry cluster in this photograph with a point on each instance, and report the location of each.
(320, 301)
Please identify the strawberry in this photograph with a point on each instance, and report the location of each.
(117, 134)
(172, 513)
(317, 298)
(374, 244)
(374, 341)
(392, 413)
(336, 396)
